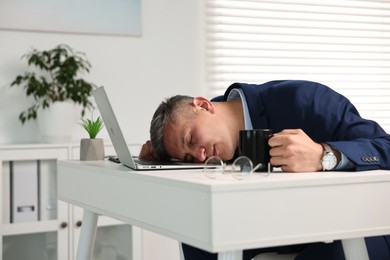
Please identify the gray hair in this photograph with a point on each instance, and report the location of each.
(172, 109)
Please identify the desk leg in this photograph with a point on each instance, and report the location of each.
(230, 255)
(87, 235)
(355, 249)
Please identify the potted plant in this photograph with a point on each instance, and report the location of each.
(53, 81)
(92, 148)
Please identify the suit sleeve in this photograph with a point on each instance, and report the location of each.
(363, 141)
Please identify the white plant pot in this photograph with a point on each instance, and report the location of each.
(56, 122)
(91, 149)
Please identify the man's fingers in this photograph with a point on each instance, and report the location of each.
(147, 152)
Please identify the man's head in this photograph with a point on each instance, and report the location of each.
(192, 129)
(168, 111)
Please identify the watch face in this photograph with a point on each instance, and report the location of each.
(329, 161)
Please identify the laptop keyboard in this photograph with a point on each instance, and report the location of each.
(139, 161)
(142, 162)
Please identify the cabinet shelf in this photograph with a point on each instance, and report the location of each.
(30, 227)
(48, 226)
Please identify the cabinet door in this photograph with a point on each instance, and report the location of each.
(63, 236)
(45, 238)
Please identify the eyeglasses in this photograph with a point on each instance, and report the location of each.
(241, 168)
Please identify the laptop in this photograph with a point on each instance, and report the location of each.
(119, 143)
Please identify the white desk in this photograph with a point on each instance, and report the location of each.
(226, 215)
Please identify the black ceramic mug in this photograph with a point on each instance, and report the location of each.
(254, 144)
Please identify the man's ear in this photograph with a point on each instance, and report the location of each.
(204, 103)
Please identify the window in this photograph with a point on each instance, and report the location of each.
(344, 44)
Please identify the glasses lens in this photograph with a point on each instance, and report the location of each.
(213, 167)
(242, 167)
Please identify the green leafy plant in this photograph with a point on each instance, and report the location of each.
(93, 127)
(57, 79)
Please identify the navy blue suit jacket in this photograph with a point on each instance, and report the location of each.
(323, 114)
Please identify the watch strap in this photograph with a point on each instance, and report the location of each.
(327, 148)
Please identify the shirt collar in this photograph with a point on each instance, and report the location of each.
(236, 94)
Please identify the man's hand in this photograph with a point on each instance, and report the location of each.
(295, 151)
(147, 153)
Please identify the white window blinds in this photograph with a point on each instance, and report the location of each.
(342, 44)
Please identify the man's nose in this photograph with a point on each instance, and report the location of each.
(199, 154)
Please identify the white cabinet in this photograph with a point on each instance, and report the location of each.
(54, 236)
(48, 237)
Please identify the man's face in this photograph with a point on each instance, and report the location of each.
(199, 138)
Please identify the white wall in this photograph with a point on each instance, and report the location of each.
(138, 72)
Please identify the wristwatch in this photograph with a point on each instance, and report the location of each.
(329, 159)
